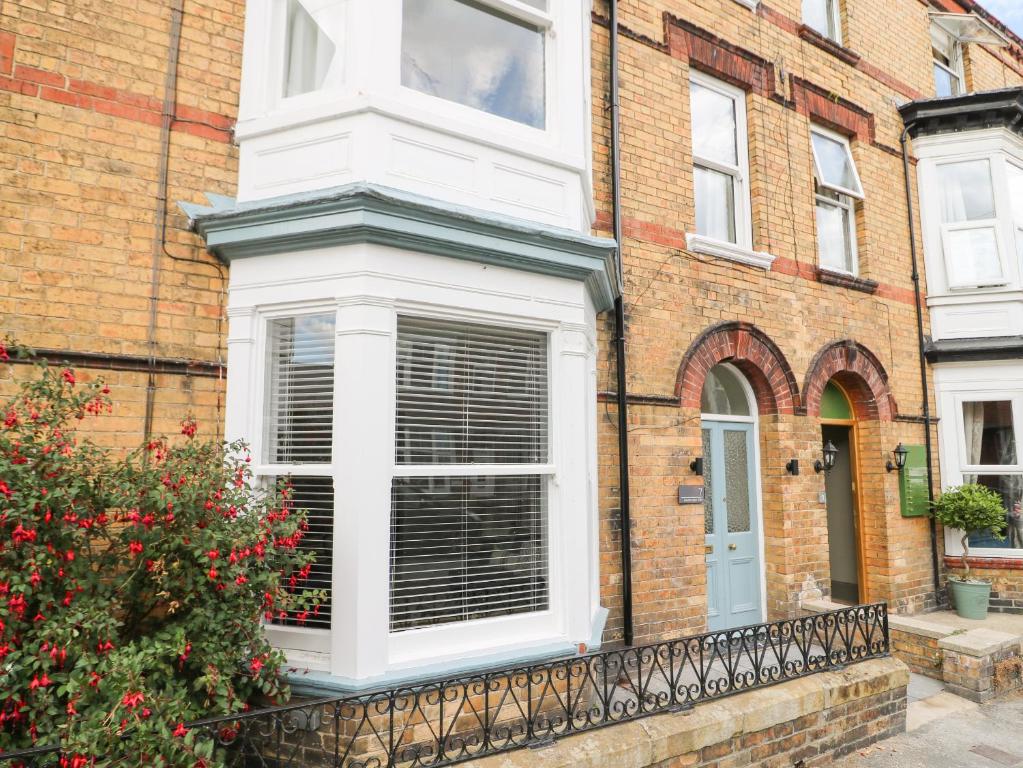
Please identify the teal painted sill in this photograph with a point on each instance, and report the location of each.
(369, 213)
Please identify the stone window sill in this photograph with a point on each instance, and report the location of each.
(844, 280)
(751, 4)
(814, 37)
(712, 247)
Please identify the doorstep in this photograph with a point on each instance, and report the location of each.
(977, 660)
(807, 722)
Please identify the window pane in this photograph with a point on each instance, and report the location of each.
(737, 499)
(316, 496)
(820, 16)
(723, 394)
(309, 51)
(1010, 488)
(708, 484)
(465, 548)
(973, 257)
(967, 191)
(834, 236)
(990, 438)
(715, 204)
(714, 126)
(470, 394)
(835, 162)
(460, 52)
(300, 390)
(945, 83)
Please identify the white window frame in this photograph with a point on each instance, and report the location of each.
(833, 9)
(954, 54)
(413, 641)
(999, 187)
(544, 21)
(846, 197)
(742, 250)
(314, 640)
(954, 386)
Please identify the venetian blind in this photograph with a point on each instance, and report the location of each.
(470, 546)
(316, 496)
(300, 391)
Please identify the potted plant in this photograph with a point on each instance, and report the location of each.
(970, 508)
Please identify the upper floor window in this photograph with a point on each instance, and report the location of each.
(837, 186)
(720, 161)
(312, 57)
(969, 224)
(949, 79)
(824, 16)
(470, 53)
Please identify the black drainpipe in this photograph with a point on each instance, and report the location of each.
(922, 351)
(167, 118)
(623, 408)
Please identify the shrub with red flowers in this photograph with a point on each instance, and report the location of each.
(133, 588)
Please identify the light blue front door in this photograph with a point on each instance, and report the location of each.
(731, 521)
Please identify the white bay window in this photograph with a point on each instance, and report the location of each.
(969, 224)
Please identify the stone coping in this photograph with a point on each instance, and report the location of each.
(664, 737)
(979, 642)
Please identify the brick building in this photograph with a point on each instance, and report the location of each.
(400, 290)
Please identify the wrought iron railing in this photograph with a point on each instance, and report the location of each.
(444, 722)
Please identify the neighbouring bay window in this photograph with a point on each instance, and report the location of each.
(488, 56)
(298, 412)
(969, 224)
(981, 437)
(824, 16)
(469, 517)
(836, 186)
(720, 161)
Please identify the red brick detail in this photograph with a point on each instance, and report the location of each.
(779, 20)
(988, 563)
(859, 373)
(6, 53)
(831, 110)
(711, 54)
(751, 351)
(81, 94)
(894, 83)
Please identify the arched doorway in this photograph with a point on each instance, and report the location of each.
(732, 518)
(841, 483)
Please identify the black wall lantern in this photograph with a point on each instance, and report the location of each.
(792, 467)
(830, 454)
(696, 465)
(900, 453)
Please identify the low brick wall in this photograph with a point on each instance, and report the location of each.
(806, 723)
(919, 652)
(982, 664)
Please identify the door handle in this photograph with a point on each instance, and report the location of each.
(733, 547)
(709, 549)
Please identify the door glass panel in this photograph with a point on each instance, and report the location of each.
(737, 481)
(708, 485)
(723, 394)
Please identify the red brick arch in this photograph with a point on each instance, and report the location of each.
(751, 351)
(859, 373)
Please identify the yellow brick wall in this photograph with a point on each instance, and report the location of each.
(81, 96)
(673, 295)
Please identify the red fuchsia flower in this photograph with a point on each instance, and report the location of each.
(5, 490)
(73, 761)
(184, 655)
(68, 376)
(135, 547)
(94, 679)
(213, 554)
(189, 427)
(3, 353)
(39, 682)
(180, 731)
(35, 579)
(71, 707)
(104, 647)
(255, 665)
(240, 579)
(212, 573)
(12, 419)
(131, 699)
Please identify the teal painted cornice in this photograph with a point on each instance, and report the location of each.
(367, 213)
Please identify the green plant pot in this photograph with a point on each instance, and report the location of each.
(971, 598)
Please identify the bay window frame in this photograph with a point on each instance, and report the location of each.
(954, 387)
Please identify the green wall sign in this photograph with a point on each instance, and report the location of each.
(913, 499)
